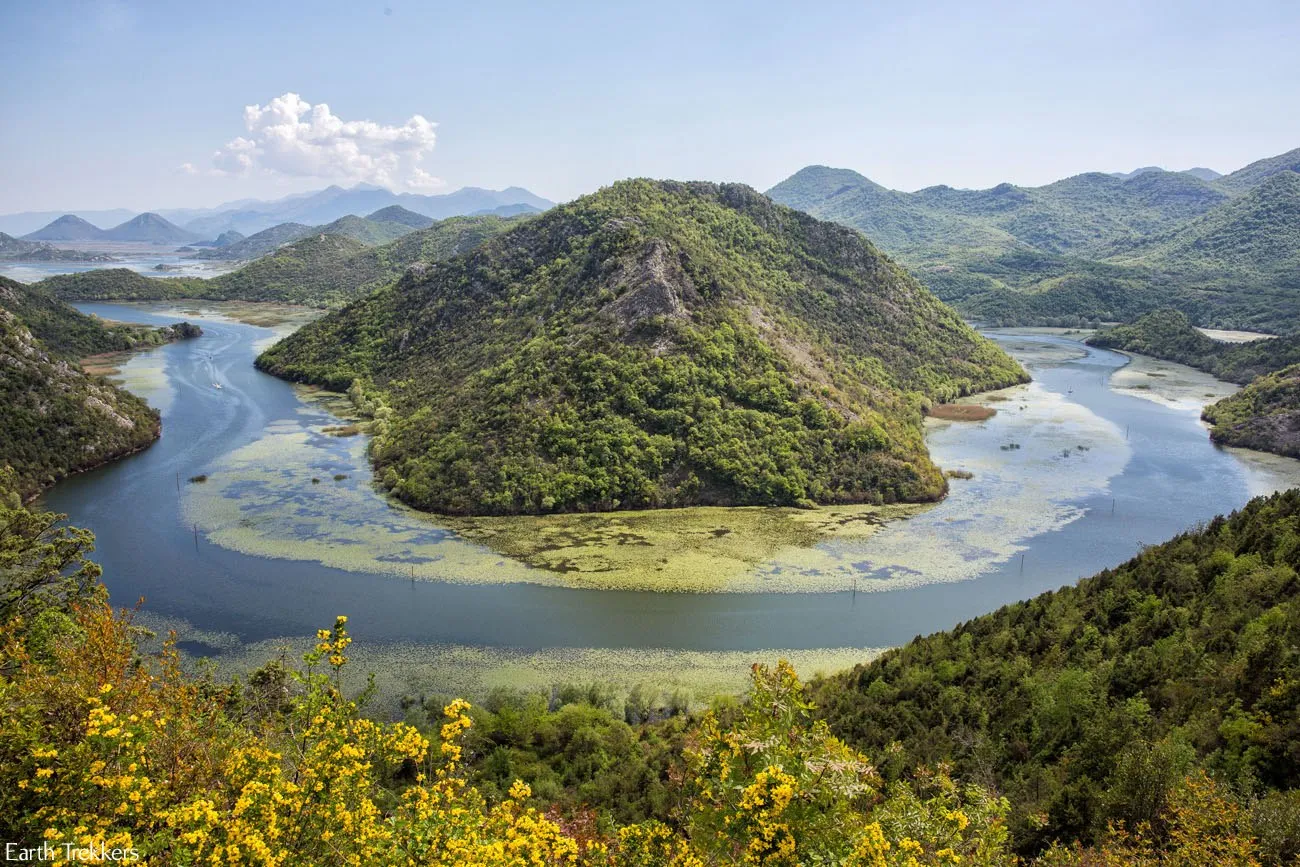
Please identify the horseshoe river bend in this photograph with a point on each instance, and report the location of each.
(1096, 457)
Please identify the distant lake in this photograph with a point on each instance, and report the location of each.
(1071, 476)
(144, 258)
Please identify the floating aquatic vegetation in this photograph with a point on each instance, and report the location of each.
(1175, 386)
(472, 672)
(144, 374)
(262, 501)
(1015, 494)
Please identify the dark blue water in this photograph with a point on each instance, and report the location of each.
(1174, 479)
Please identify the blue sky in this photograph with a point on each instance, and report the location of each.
(105, 101)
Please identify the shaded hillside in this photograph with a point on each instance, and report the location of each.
(653, 344)
(1086, 705)
(257, 245)
(1258, 232)
(56, 419)
(119, 284)
(1265, 415)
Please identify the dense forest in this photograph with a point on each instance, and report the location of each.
(1085, 706)
(1091, 248)
(654, 344)
(317, 269)
(1147, 716)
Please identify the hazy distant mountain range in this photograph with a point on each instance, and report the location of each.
(249, 216)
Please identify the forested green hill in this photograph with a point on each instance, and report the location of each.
(71, 334)
(1169, 334)
(653, 344)
(56, 419)
(1264, 415)
(1086, 705)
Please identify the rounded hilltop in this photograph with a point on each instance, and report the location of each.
(653, 344)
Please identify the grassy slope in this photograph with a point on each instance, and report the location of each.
(1083, 704)
(654, 344)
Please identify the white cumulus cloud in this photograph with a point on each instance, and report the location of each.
(290, 136)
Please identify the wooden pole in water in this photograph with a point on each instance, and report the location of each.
(196, 538)
(1022, 562)
(178, 481)
(1112, 507)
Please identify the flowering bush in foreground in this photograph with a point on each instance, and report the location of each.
(101, 748)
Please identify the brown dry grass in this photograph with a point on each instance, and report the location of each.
(962, 412)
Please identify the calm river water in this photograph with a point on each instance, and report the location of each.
(1071, 477)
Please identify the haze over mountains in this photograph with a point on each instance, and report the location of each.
(250, 216)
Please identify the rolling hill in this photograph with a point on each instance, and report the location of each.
(1265, 415)
(68, 333)
(1085, 706)
(653, 344)
(149, 228)
(367, 231)
(1093, 247)
(1260, 232)
(1259, 171)
(316, 269)
(398, 214)
(258, 244)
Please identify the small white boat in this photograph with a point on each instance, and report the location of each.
(216, 385)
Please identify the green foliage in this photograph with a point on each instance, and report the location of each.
(655, 344)
(118, 284)
(1086, 705)
(68, 333)
(573, 750)
(43, 566)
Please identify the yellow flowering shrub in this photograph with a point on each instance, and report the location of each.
(103, 749)
(776, 788)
